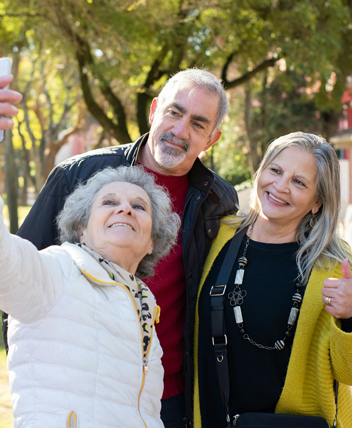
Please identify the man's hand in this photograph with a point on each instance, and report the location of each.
(337, 293)
(7, 98)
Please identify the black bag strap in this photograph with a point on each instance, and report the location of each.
(217, 301)
(219, 338)
(336, 386)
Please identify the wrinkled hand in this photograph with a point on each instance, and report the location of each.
(340, 293)
(7, 98)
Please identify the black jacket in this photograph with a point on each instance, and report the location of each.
(209, 198)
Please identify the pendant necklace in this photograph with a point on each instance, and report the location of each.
(237, 296)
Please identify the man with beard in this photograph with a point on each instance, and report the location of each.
(185, 120)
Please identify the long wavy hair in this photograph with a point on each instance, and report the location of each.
(320, 244)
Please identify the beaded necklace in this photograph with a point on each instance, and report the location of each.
(237, 296)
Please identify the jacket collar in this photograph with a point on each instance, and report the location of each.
(86, 264)
(132, 150)
(202, 179)
(200, 176)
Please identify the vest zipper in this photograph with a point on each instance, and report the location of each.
(190, 197)
(145, 356)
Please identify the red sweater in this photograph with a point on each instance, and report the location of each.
(169, 287)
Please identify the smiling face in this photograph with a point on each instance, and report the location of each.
(287, 188)
(181, 129)
(120, 225)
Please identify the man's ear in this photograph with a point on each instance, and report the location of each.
(213, 139)
(153, 110)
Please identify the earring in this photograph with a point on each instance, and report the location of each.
(312, 221)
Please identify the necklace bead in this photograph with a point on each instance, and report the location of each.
(238, 295)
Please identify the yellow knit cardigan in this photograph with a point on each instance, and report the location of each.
(321, 352)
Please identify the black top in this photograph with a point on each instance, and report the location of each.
(256, 375)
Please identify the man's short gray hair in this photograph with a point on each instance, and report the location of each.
(165, 224)
(197, 78)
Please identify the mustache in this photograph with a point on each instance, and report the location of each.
(169, 136)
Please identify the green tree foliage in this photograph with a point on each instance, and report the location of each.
(48, 112)
(125, 50)
(51, 112)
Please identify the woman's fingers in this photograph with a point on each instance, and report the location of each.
(345, 269)
(7, 98)
(337, 293)
(5, 80)
(5, 123)
(7, 109)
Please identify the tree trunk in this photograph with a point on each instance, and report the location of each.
(51, 151)
(264, 118)
(25, 159)
(24, 190)
(330, 123)
(253, 155)
(143, 123)
(11, 181)
(143, 98)
(39, 170)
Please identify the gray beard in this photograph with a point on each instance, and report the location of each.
(170, 157)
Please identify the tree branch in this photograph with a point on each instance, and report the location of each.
(144, 97)
(26, 120)
(24, 14)
(48, 97)
(25, 152)
(247, 76)
(85, 59)
(54, 146)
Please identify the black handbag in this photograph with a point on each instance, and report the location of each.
(219, 340)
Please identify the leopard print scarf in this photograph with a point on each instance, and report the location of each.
(139, 291)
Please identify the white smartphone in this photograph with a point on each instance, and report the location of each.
(5, 69)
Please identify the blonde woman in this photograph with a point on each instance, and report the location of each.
(286, 322)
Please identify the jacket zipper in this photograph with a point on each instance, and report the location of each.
(145, 356)
(72, 416)
(156, 316)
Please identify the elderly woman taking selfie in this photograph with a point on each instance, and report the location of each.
(83, 351)
(273, 328)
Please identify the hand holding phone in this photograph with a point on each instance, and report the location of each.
(5, 69)
(7, 97)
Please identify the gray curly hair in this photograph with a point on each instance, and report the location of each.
(165, 224)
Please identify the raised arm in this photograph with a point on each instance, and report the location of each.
(31, 282)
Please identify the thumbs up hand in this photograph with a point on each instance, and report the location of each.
(337, 293)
